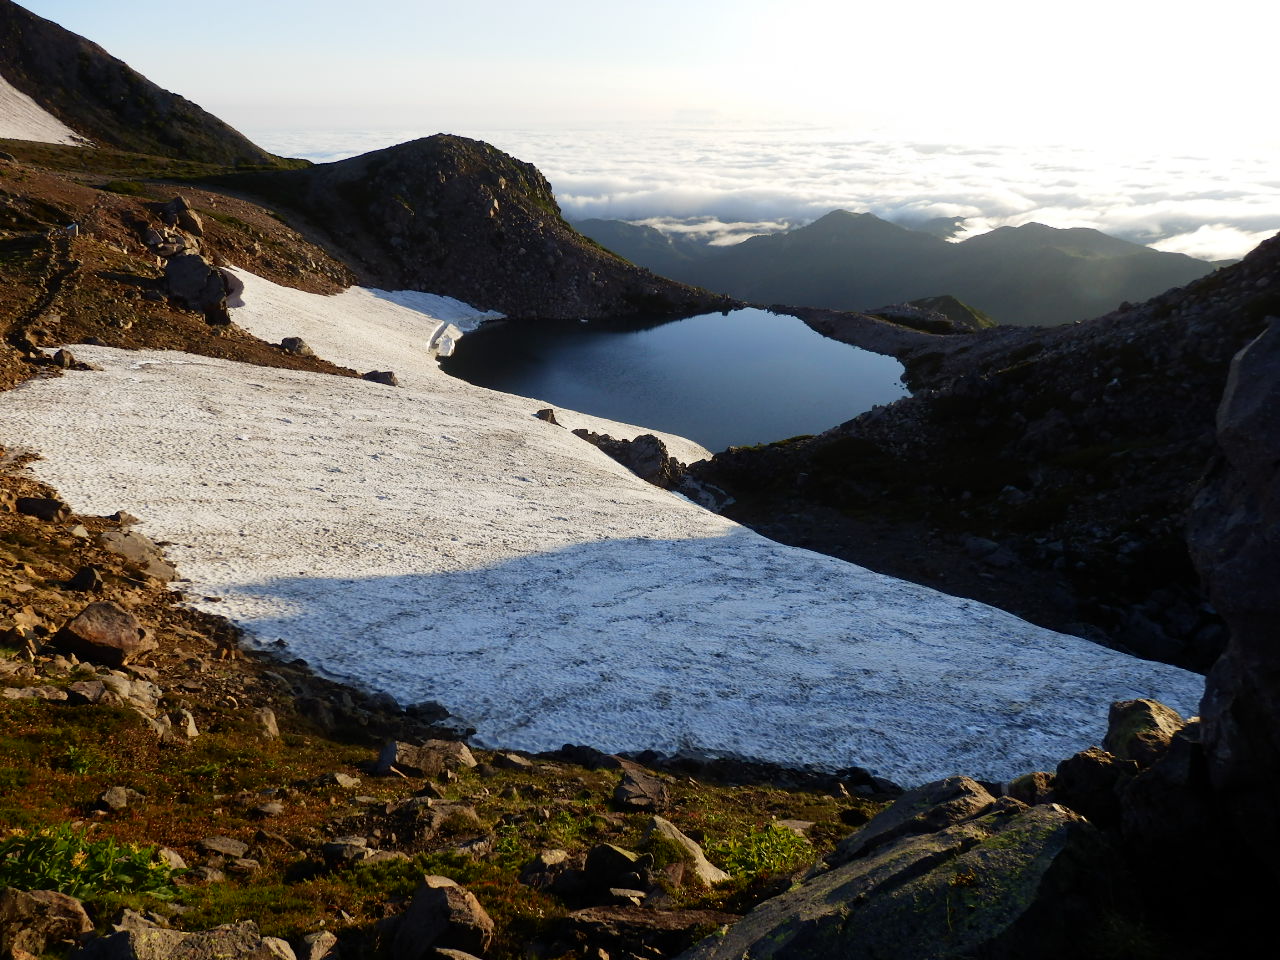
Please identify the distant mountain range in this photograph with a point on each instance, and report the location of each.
(1031, 275)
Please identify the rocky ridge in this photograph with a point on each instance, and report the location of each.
(460, 217)
(106, 101)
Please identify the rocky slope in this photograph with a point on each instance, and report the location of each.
(1048, 472)
(462, 218)
(103, 99)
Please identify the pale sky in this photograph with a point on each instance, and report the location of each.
(1087, 72)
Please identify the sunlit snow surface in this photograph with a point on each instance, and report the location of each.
(21, 118)
(438, 542)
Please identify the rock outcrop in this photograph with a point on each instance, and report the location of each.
(991, 879)
(1235, 541)
(462, 218)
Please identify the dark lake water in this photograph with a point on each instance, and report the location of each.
(740, 378)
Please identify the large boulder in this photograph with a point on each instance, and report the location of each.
(1140, 730)
(39, 921)
(139, 940)
(442, 914)
(428, 759)
(925, 809)
(105, 633)
(1234, 536)
(197, 285)
(703, 871)
(1014, 881)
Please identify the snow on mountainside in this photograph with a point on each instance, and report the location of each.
(21, 118)
(439, 542)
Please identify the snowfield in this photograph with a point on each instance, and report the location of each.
(21, 118)
(438, 542)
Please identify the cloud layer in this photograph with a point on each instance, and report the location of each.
(724, 184)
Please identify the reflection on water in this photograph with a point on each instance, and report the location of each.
(745, 377)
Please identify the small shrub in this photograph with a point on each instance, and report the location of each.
(63, 859)
(771, 850)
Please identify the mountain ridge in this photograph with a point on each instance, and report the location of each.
(104, 99)
(1032, 275)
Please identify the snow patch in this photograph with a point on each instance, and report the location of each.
(438, 542)
(21, 118)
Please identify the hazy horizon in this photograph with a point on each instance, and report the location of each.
(725, 183)
(1147, 122)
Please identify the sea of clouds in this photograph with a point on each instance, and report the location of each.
(724, 184)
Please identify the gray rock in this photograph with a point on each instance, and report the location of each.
(196, 284)
(267, 722)
(40, 921)
(428, 759)
(86, 580)
(233, 941)
(321, 945)
(178, 213)
(118, 798)
(703, 870)
(442, 914)
(381, 376)
(1234, 536)
(297, 346)
(141, 552)
(1013, 882)
(923, 810)
(105, 633)
(639, 790)
(224, 846)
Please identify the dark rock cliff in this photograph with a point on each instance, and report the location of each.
(462, 218)
(104, 99)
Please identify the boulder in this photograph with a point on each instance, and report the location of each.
(1032, 788)
(630, 931)
(105, 633)
(178, 213)
(646, 456)
(43, 508)
(223, 846)
(544, 869)
(1090, 783)
(428, 759)
(40, 921)
(141, 551)
(232, 941)
(321, 945)
(1015, 881)
(923, 810)
(442, 914)
(1234, 537)
(297, 346)
(1140, 730)
(610, 866)
(639, 790)
(197, 285)
(703, 870)
(386, 377)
